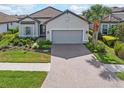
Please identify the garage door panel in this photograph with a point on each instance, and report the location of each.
(67, 36)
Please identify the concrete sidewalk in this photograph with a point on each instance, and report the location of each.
(25, 66)
(114, 67)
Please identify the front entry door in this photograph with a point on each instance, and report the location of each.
(41, 30)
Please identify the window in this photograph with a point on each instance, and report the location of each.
(27, 30)
(104, 28)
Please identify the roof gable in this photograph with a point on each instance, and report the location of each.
(29, 18)
(67, 11)
(46, 12)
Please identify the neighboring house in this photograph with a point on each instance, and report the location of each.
(116, 17)
(56, 26)
(7, 22)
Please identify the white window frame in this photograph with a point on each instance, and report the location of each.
(107, 27)
(27, 28)
(32, 28)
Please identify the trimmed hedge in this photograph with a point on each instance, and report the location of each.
(109, 40)
(45, 44)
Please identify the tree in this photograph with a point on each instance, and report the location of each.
(95, 15)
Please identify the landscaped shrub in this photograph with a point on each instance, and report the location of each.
(43, 43)
(46, 46)
(119, 49)
(15, 41)
(12, 31)
(100, 48)
(89, 45)
(22, 41)
(26, 41)
(90, 38)
(35, 46)
(6, 40)
(99, 36)
(1, 37)
(113, 30)
(121, 52)
(91, 32)
(120, 32)
(109, 40)
(8, 36)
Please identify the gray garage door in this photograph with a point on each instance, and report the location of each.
(67, 36)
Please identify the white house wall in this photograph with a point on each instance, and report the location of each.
(3, 28)
(13, 25)
(67, 22)
(34, 31)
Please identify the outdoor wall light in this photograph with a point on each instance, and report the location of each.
(86, 32)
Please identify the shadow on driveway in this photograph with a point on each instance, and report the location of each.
(105, 73)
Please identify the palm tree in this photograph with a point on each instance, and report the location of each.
(95, 15)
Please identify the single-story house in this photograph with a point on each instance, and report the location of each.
(7, 22)
(113, 19)
(108, 22)
(56, 26)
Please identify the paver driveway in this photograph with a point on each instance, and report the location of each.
(75, 66)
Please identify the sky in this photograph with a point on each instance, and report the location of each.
(24, 9)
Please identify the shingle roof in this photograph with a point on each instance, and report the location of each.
(117, 9)
(30, 18)
(48, 12)
(19, 16)
(111, 18)
(4, 18)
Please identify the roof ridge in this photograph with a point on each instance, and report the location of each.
(45, 9)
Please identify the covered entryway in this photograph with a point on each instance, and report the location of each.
(67, 36)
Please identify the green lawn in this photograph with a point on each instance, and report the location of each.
(23, 56)
(120, 75)
(21, 79)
